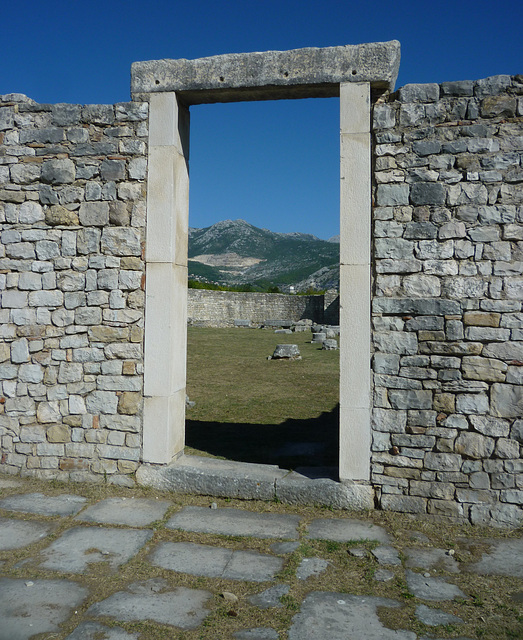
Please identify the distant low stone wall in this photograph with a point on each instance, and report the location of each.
(221, 308)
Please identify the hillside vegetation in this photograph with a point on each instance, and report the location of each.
(234, 251)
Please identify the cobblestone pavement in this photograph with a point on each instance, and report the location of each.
(118, 567)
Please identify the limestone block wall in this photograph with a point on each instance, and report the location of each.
(72, 216)
(447, 300)
(221, 308)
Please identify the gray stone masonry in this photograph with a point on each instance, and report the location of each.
(447, 287)
(227, 308)
(447, 300)
(72, 216)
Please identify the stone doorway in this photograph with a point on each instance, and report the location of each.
(171, 86)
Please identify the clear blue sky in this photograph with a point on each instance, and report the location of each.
(274, 164)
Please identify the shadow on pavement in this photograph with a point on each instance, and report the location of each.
(291, 444)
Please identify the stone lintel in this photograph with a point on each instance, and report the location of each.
(270, 75)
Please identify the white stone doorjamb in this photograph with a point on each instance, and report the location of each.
(166, 279)
(355, 242)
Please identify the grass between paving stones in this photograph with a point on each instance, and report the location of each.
(249, 408)
(488, 610)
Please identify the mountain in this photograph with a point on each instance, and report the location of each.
(236, 252)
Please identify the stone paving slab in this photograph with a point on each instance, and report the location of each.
(257, 633)
(28, 608)
(330, 616)
(154, 600)
(97, 631)
(38, 503)
(79, 547)
(505, 559)
(309, 567)
(236, 522)
(346, 530)
(431, 559)
(215, 562)
(434, 589)
(435, 617)
(284, 547)
(271, 597)
(134, 512)
(386, 556)
(15, 534)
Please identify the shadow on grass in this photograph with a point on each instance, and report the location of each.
(304, 445)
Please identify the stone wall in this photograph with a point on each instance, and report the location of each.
(447, 300)
(222, 308)
(447, 294)
(72, 216)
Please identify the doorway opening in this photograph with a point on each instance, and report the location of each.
(263, 207)
(166, 288)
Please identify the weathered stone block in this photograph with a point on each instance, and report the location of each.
(457, 88)
(410, 399)
(267, 71)
(507, 400)
(424, 307)
(432, 193)
(443, 461)
(112, 170)
(391, 195)
(489, 369)
(66, 114)
(121, 241)
(498, 106)
(60, 171)
(470, 403)
(59, 433)
(474, 445)
(384, 117)
(507, 449)
(94, 214)
(403, 504)
(58, 215)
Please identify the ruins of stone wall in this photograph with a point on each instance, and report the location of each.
(447, 298)
(72, 216)
(222, 308)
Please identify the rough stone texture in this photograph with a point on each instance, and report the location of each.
(235, 522)
(15, 534)
(271, 597)
(215, 562)
(324, 616)
(150, 600)
(63, 505)
(71, 242)
(138, 512)
(77, 548)
(258, 76)
(447, 301)
(433, 589)
(229, 308)
(41, 608)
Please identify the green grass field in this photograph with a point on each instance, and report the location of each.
(252, 409)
